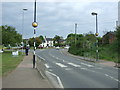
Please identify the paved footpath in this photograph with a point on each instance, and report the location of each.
(24, 76)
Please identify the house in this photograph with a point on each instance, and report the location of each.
(109, 37)
(47, 42)
(60, 43)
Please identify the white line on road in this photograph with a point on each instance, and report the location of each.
(87, 65)
(87, 69)
(61, 65)
(68, 69)
(84, 68)
(75, 65)
(59, 81)
(47, 66)
(112, 77)
(41, 57)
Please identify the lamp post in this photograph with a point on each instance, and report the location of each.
(23, 27)
(34, 24)
(96, 34)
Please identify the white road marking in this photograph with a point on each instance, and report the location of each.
(68, 69)
(84, 68)
(50, 70)
(87, 69)
(112, 77)
(47, 66)
(61, 65)
(58, 79)
(87, 65)
(57, 58)
(75, 65)
(41, 57)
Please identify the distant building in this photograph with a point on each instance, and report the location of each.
(48, 42)
(119, 13)
(62, 41)
(109, 37)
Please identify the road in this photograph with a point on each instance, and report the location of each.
(76, 73)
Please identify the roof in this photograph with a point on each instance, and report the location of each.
(49, 39)
(62, 40)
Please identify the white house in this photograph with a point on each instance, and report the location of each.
(48, 42)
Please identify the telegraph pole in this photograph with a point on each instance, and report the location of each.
(75, 32)
(34, 24)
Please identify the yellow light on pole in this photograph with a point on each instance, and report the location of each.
(34, 24)
(96, 34)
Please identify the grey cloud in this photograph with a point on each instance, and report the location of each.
(55, 18)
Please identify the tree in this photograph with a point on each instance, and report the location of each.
(10, 36)
(118, 41)
(70, 39)
(56, 40)
(41, 38)
(31, 41)
(38, 41)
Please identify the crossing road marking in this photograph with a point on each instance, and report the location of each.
(75, 65)
(61, 65)
(87, 65)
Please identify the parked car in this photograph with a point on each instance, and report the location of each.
(40, 47)
(67, 47)
(57, 48)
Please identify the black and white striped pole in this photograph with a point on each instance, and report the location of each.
(34, 24)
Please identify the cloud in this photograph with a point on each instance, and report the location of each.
(60, 0)
(58, 18)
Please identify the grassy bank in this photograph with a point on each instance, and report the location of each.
(106, 52)
(0, 64)
(9, 62)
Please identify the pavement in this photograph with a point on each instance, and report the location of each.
(103, 62)
(24, 76)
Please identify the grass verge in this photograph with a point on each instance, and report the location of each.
(105, 53)
(9, 63)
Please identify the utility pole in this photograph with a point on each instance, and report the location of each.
(75, 33)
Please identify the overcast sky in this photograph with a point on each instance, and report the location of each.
(58, 18)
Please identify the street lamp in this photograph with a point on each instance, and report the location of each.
(96, 34)
(23, 27)
(34, 24)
